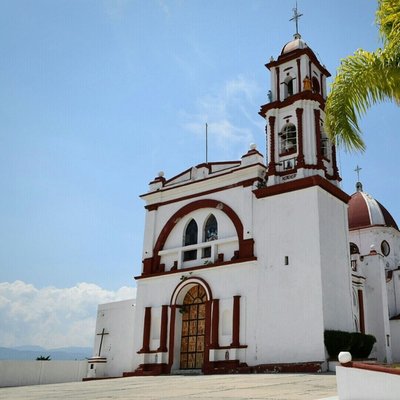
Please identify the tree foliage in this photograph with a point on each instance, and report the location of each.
(43, 358)
(364, 79)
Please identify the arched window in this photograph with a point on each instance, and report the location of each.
(288, 139)
(211, 229)
(210, 233)
(189, 238)
(315, 85)
(288, 86)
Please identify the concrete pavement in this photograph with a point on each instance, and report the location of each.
(209, 387)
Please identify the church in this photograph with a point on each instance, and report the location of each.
(247, 263)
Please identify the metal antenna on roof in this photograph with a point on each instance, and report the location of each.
(206, 143)
(296, 17)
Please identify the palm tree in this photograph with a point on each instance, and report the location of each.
(364, 79)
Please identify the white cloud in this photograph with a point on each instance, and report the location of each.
(164, 7)
(229, 113)
(52, 317)
(116, 9)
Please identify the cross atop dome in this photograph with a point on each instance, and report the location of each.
(296, 17)
(359, 187)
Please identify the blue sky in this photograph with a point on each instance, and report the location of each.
(98, 96)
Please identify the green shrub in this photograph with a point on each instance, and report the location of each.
(358, 344)
(337, 341)
(361, 345)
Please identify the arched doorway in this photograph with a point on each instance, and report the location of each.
(193, 328)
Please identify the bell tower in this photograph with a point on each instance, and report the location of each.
(297, 144)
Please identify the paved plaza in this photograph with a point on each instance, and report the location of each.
(215, 387)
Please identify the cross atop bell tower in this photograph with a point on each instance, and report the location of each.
(296, 17)
(297, 144)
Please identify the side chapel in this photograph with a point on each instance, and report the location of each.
(246, 263)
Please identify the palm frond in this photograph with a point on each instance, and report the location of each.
(388, 21)
(363, 79)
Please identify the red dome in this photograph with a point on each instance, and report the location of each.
(364, 211)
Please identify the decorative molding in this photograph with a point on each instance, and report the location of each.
(215, 324)
(300, 157)
(163, 329)
(244, 183)
(190, 281)
(305, 95)
(317, 129)
(298, 75)
(271, 165)
(283, 58)
(152, 265)
(236, 322)
(248, 243)
(303, 183)
(146, 331)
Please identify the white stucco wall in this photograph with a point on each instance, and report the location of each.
(24, 373)
(395, 339)
(376, 305)
(282, 306)
(118, 319)
(357, 384)
(373, 236)
(335, 262)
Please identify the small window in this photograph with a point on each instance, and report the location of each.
(354, 249)
(190, 237)
(288, 139)
(385, 248)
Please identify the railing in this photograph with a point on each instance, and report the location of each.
(206, 256)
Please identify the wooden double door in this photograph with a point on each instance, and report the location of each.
(193, 328)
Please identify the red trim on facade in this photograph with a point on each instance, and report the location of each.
(158, 179)
(317, 115)
(152, 265)
(146, 330)
(247, 242)
(163, 329)
(305, 95)
(206, 363)
(303, 183)
(252, 152)
(321, 79)
(193, 280)
(271, 165)
(150, 369)
(216, 174)
(245, 183)
(171, 336)
(300, 157)
(236, 322)
(215, 323)
(361, 310)
(334, 164)
(278, 89)
(371, 367)
(298, 74)
(296, 54)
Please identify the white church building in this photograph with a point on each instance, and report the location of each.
(246, 263)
